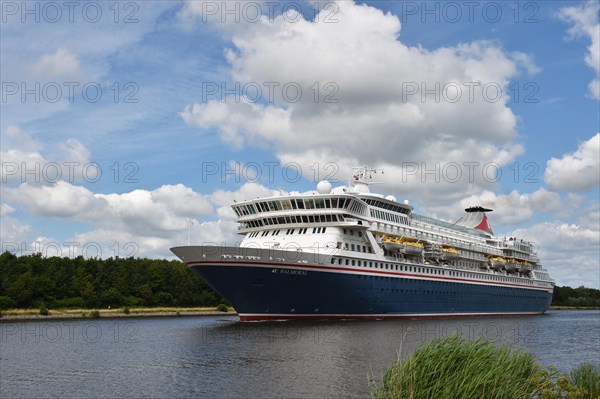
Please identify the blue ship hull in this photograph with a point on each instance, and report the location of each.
(275, 291)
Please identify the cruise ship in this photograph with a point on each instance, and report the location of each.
(349, 253)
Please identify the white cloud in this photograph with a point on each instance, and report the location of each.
(221, 232)
(116, 242)
(182, 200)
(508, 209)
(375, 119)
(577, 171)
(141, 212)
(12, 231)
(15, 137)
(585, 22)
(74, 151)
(152, 220)
(15, 162)
(23, 160)
(569, 251)
(62, 64)
(20, 150)
(6, 209)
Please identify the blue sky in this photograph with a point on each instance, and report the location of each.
(155, 130)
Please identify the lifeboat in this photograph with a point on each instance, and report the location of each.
(525, 267)
(511, 265)
(497, 262)
(411, 246)
(449, 252)
(405, 245)
(391, 243)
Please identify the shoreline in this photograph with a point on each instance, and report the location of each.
(86, 314)
(24, 315)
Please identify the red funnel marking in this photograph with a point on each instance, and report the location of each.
(484, 225)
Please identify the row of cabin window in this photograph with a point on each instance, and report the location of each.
(358, 207)
(351, 232)
(355, 247)
(304, 219)
(387, 266)
(388, 216)
(289, 204)
(389, 207)
(316, 230)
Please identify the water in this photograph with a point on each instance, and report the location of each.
(220, 357)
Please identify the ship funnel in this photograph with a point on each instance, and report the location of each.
(476, 219)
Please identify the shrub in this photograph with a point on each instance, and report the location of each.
(7, 302)
(587, 378)
(222, 307)
(95, 314)
(44, 310)
(126, 310)
(132, 301)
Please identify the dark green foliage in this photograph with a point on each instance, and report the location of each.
(581, 296)
(126, 310)
(27, 281)
(6, 302)
(44, 310)
(95, 314)
(587, 378)
(69, 303)
(222, 307)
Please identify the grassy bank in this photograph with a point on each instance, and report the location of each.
(41, 314)
(452, 368)
(575, 307)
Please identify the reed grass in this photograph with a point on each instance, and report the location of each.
(452, 368)
(586, 377)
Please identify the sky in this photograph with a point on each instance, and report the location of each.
(130, 127)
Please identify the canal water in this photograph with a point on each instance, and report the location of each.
(212, 357)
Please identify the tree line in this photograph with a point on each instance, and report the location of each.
(34, 281)
(581, 296)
